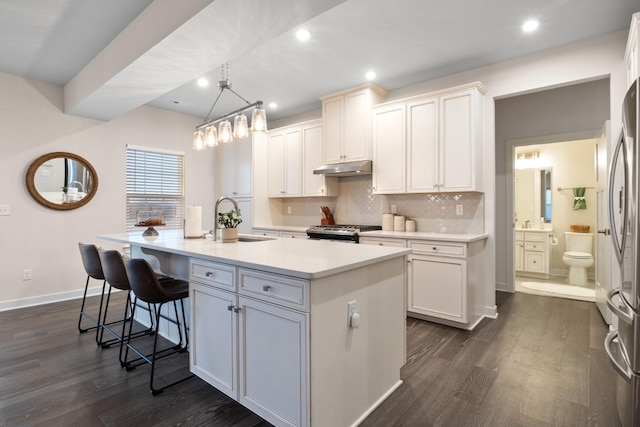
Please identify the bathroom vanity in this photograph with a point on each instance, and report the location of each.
(532, 254)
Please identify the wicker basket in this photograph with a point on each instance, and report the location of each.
(579, 228)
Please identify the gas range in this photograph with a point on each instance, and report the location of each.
(339, 232)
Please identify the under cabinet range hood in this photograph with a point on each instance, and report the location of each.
(362, 167)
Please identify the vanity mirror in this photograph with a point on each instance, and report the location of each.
(61, 181)
(533, 194)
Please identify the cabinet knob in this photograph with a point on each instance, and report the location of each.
(229, 307)
(236, 309)
(380, 244)
(266, 288)
(435, 248)
(209, 273)
(293, 237)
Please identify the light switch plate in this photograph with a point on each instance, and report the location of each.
(459, 210)
(5, 210)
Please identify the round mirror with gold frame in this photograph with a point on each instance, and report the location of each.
(61, 181)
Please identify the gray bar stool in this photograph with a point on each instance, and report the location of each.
(93, 268)
(146, 286)
(116, 276)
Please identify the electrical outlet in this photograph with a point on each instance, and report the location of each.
(289, 210)
(26, 274)
(394, 209)
(5, 210)
(459, 210)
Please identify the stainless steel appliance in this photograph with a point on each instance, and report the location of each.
(341, 233)
(623, 345)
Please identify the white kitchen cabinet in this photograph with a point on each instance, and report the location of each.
(254, 347)
(534, 253)
(284, 179)
(347, 123)
(430, 143)
(235, 168)
(315, 185)
(632, 52)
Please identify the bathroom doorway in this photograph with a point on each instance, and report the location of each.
(554, 191)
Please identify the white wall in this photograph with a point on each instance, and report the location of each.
(45, 240)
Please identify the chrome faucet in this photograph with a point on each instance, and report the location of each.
(215, 214)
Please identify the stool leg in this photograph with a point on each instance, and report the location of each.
(82, 312)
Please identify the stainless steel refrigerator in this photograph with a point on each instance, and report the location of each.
(623, 345)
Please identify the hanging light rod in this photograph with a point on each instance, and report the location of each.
(201, 126)
(206, 134)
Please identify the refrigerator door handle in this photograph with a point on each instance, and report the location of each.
(622, 366)
(619, 241)
(625, 312)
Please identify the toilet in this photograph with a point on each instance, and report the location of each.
(578, 256)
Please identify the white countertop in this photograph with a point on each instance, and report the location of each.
(303, 258)
(422, 235)
(539, 230)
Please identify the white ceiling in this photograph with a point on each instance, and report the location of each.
(166, 46)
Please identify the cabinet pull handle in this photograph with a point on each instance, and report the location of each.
(236, 309)
(209, 273)
(266, 288)
(229, 307)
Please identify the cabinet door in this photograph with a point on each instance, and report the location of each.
(519, 256)
(292, 159)
(227, 168)
(534, 262)
(438, 287)
(422, 146)
(389, 149)
(213, 337)
(276, 165)
(314, 185)
(273, 362)
(356, 140)
(332, 120)
(457, 142)
(244, 168)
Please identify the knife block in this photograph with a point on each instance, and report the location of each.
(327, 221)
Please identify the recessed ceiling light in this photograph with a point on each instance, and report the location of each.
(303, 34)
(370, 75)
(202, 82)
(530, 26)
(273, 105)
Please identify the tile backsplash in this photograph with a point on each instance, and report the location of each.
(357, 205)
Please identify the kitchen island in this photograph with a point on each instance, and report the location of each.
(302, 332)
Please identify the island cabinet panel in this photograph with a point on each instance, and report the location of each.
(273, 368)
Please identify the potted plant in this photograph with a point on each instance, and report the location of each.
(229, 221)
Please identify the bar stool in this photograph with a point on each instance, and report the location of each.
(149, 289)
(116, 276)
(93, 268)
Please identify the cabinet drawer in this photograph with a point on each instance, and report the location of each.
(519, 235)
(532, 246)
(293, 235)
(534, 237)
(260, 232)
(397, 243)
(439, 248)
(283, 290)
(214, 274)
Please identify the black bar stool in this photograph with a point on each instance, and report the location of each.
(116, 276)
(93, 267)
(149, 289)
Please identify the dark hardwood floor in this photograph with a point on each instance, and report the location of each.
(541, 363)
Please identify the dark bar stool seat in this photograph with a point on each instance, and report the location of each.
(116, 276)
(146, 286)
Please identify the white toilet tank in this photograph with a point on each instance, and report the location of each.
(578, 242)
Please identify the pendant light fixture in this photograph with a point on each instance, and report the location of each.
(206, 134)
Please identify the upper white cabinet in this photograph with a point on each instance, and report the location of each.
(347, 123)
(284, 162)
(632, 53)
(294, 152)
(234, 168)
(430, 143)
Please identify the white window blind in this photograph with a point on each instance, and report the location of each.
(155, 180)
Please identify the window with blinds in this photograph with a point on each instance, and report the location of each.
(155, 180)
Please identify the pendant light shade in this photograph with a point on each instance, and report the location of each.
(240, 127)
(259, 120)
(198, 140)
(211, 136)
(224, 131)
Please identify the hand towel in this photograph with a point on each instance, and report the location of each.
(579, 201)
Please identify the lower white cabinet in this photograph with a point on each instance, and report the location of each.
(532, 254)
(252, 350)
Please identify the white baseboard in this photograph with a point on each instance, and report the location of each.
(46, 299)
